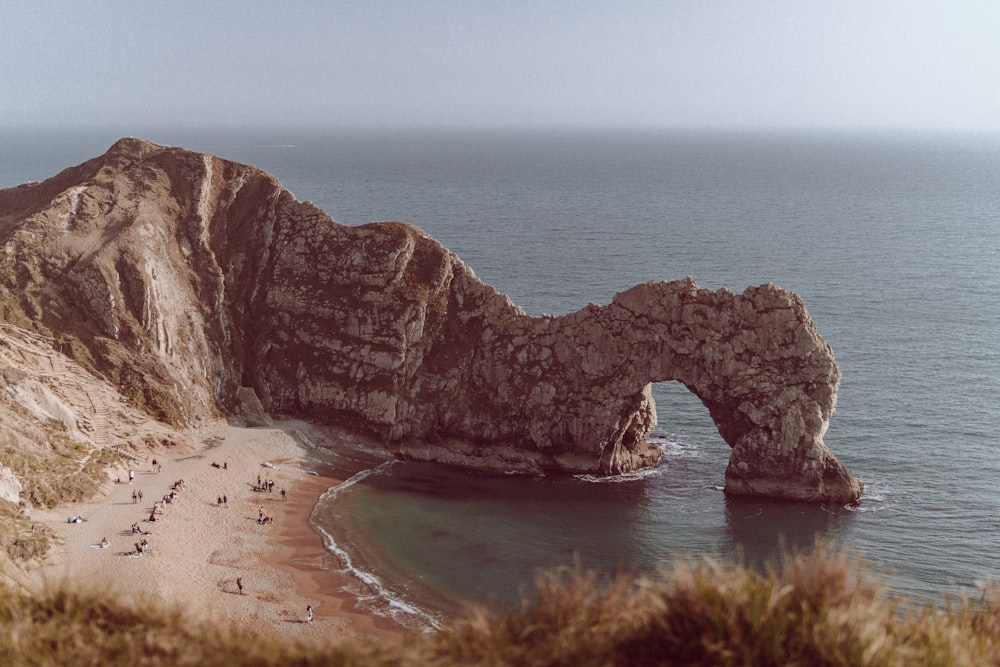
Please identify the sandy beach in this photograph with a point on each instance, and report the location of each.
(198, 547)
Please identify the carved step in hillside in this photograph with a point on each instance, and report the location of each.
(99, 422)
(58, 363)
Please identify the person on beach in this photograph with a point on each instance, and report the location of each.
(283, 496)
(135, 498)
(225, 500)
(140, 495)
(239, 584)
(104, 543)
(131, 475)
(309, 614)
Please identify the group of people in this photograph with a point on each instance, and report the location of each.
(142, 546)
(264, 485)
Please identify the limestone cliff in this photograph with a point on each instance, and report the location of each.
(184, 278)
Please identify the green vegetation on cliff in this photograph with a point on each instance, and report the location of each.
(816, 610)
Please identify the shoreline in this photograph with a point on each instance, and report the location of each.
(200, 546)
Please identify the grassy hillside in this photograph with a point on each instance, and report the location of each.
(820, 610)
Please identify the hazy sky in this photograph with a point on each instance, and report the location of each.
(742, 63)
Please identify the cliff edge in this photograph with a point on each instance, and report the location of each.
(184, 280)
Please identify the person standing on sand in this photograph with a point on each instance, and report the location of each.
(140, 495)
(283, 496)
(309, 613)
(239, 584)
(131, 475)
(135, 498)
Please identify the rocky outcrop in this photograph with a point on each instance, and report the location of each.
(183, 278)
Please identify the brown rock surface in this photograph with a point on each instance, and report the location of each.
(182, 278)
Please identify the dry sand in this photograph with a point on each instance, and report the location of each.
(199, 548)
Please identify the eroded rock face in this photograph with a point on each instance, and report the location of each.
(188, 277)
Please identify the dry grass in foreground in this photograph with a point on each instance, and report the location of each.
(815, 610)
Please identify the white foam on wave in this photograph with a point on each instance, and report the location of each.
(378, 593)
(634, 476)
(355, 478)
(872, 500)
(672, 447)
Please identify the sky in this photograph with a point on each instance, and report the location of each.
(907, 64)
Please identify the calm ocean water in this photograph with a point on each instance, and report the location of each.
(893, 242)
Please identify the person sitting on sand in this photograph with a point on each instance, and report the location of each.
(152, 516)
(104, 543)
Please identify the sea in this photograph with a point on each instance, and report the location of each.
(892, 239)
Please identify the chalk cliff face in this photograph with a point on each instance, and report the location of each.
(185, 279)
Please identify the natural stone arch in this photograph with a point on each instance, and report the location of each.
(580, 385)
(767, 377)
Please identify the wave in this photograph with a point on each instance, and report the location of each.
(872, 500)
(379, 600)
(332, 492)
(672, 447)
(634, 476)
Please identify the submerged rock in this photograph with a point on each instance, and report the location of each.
(189, 279)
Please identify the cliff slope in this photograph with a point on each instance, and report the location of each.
(183, 279)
